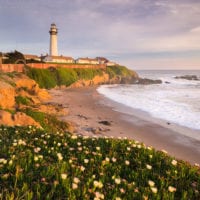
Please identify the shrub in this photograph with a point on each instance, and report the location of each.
(43, 77)
(118, 70)
(66, 76)
(48, 122)
(22, 100)
(87, 74)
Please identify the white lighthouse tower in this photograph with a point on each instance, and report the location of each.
(53, 50)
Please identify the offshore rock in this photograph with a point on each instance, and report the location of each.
(188, 77)
(146, 81)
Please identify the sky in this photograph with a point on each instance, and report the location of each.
(141, 34)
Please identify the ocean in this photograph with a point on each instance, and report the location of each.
(176, 101)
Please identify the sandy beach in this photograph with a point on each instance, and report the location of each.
(93, 114)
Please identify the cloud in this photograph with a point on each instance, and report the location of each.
(112, 28)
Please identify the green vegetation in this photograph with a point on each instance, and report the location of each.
(47, 121)
(65, 76)
(14, 57)
(8, 78)
(119, 71)
(49, 78)
(43, 77)
(22, 100)
(36, 164)
(88, 74)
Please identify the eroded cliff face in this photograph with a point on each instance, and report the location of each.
(19, 118)
(97, 80)
(12, 87)
(30, 88)
(7, 95)
(105, 79)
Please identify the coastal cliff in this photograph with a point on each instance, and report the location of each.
(22, 102)
(59, 77)
(23, 97)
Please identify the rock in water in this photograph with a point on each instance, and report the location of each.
(188, 77)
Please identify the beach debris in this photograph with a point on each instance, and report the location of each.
(105, 122)
(97, 130)
(82, 116)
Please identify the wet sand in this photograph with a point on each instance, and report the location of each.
(87, 108)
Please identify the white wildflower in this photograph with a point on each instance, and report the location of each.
(174, 162)
(58, 144)
(149, 148)
(37, 149)
(63, 176)
(127, 162)
(59, 155)
(98, 148)
(82, 168)
(122, 190)
(15, 144)
(21, 142)
(36, 158)
(164, 151)
(154, 190)
(10, 162)
(99, 195)
(148, 166)
(114, 159)
(80, 148)
(79, 143)
(74, 186)
(74, 137)
(196, 164)
(93, 176)
(117, 181)
(151, 183)
(76, 180)
(128, 148)
(3, 161)
(171, 189)
(98, 184)
(86, 161)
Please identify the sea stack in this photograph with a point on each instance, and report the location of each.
(53, 50)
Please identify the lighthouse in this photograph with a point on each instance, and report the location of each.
(53, 50)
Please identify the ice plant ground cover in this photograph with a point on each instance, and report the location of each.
(35, 164)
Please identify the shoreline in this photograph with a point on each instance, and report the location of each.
(86, 108)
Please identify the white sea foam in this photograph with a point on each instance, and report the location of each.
(177, 102)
